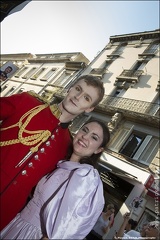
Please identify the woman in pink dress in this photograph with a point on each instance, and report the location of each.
(66, 203)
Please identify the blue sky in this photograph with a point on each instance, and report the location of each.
(74, 26)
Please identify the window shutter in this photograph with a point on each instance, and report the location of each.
(120, 140)
(142, 147)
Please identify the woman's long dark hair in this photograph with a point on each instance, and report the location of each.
(92, 160)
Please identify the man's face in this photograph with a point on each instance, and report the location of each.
(8, 70)
(80, 98)
(3, 76)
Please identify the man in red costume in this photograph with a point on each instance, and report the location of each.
(35, 136)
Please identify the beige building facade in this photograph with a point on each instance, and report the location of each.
(42, 73)
(129, 68)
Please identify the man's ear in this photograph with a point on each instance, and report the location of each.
(89, 109)
(99, 150)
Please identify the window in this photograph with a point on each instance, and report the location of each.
(128, 78)
(154, 107)
(132, 144)
(150, 50)
(139, 65)
(78, 122)
(63, 80)
(117, 52)
(21, 71)
(153, 47)
(37, 74)
(137, 145)
(119, 92)
(3, 88)
(48, 75)
(47, 94)
(10, 91)
(29, 73)
(20, 90)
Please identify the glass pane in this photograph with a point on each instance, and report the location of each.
(131, 145)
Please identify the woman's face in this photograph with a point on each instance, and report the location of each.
(110, 211)
(88, 140)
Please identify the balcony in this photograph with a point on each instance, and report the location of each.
(130, 75)
(135, 110)
(76, 66)
(149, 52)
(98, 72)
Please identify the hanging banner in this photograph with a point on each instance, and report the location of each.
(7, 70)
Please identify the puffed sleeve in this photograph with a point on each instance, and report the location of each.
(73, 212)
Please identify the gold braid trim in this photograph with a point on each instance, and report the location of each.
(36, 95)
(36, 136)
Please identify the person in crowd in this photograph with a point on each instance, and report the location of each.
(35, 136)
(153, 230)
(143, 229)
(4, 74)
(67, 202)
(127, 229)
(103, 224)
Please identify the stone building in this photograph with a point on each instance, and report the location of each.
(42, 73)
(129, 67)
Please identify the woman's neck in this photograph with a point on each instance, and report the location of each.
(74, 158)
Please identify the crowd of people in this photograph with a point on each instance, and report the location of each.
(149, 230)
(40, 156)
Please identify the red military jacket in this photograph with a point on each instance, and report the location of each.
(18, 178)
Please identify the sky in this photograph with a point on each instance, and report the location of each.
(48, 27)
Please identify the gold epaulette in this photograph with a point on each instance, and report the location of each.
(54, 107)
(55, 110)
(36, 95)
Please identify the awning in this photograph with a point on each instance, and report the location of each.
(124, 168)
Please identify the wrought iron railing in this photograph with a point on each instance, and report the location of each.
(123, 104)
(132, 105)
(131, 73)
